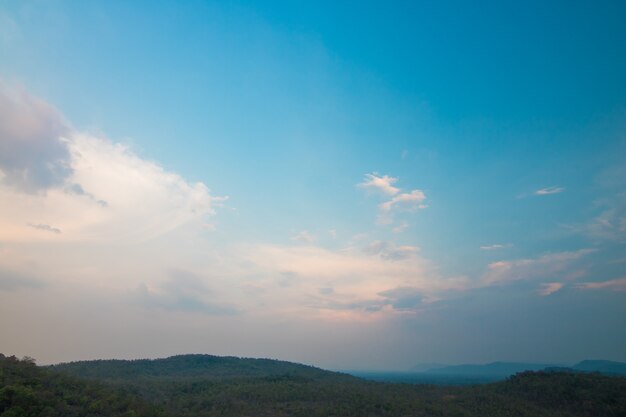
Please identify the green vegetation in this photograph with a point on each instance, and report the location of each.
(202, 385)
(28, 390)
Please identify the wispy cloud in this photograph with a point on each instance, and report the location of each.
(405, 201)
(549, 288)
(546, 266)
(400, 228)
(496, 246)
(612, 285)
(412, 200)
(389, 250)
(610, 224)
(399, 201)
(382, 184)
(303, 236)
(45, 227)
(549, 190)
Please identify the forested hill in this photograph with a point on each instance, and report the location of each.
(208, 386)
(207, 367)
(28, 390)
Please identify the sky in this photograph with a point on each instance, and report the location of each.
(363, 185)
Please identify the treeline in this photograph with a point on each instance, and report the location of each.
(202, 385)
(27, 390)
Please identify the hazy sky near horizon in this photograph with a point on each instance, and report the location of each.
(364, 185)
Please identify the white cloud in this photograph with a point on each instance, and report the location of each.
(412, 199)
(612, 285)
(549, 288)
(399, 201)
(549, 190)
(353, 279)
(56, 179)
(123, 198)
(382, 184)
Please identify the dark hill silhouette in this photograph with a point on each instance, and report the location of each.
(192, 366)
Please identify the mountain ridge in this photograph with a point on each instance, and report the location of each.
(191, 366)
(504, 369)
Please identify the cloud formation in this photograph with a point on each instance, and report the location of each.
(34, 154)
(399, 201)
(389, 250)
(549, 190)
(495, 246)
(95, 189)
(612, 285)
(350, 283)
(546, 266)
(549, 288)
(411, 200)
(381, 184)
(610, 223)
(45, 227)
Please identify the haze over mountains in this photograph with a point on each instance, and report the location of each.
(504, 369)
(483, 373)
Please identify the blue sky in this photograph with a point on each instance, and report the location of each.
(448, 175)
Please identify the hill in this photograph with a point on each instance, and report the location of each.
(207, 367)
(604, 367)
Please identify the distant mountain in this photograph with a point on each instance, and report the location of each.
(605, 367)
(501, 370)
(494, 369)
